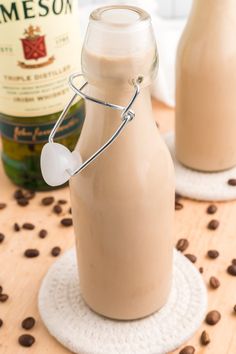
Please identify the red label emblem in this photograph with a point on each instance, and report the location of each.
(34, 48)
(34, 45)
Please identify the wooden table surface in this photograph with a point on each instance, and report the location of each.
(21, 277)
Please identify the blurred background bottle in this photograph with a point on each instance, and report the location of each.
(206, 87)
(39, 49)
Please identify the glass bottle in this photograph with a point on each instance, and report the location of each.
(206, 87)
(39, 48)
(123, 202)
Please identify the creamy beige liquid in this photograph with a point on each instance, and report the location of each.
(206, 87)
(123, 203)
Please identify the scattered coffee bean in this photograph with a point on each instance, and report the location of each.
(28, 323)
(177, 197)
(29, 195)
(213, 317)
(3, 206)
(232, 182)
(187, 350)
(16, 227)
(55, 251)
(4, 297)
(1, 322)
(201, 270)
(235, 308)
(213, 254)
(66, 222)
(191, 257)
(57, 209)
(47, 201)
(178, 206)
(232, 270)
(22, 202)
(18, 194)
(2, 237)
(26, 340)
(213, 225)
(182, 244)
(205, 338)
(43, 233)
(62, 201)
(214, 283)
(234, 261)
(212, 209)
(31, 253)
(28, 226)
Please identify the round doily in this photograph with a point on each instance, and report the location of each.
(72, 323)
(205, 186)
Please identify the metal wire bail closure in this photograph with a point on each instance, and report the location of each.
(58, 163)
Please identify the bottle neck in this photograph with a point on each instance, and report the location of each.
(101, 122)
(121, 97)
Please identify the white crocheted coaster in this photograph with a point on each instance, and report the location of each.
(205, 186)
(68, 318)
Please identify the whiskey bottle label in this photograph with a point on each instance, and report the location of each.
(38, 133)
(39, 49)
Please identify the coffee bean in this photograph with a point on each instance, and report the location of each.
(4, 297)
(62, 201)
(31, 253)
(66, 222)
(47, 201)
(214, 282)
(234, 261)
(26, 340)
(22, 202)
(212, 209)
(57, 209)
(213, 225)
(232, 182)
(16, 227)
(3, 206)
(28, 226)
(1, 322)
(177, 196)
(70, 211)
(28, 323)
(29, 195)
(43, 233)
(232, 270)
(182, 244)
(201, 270)
(55, 251)
(235, 308)
(213, 317)
(2, 237)
(178, 206)
(187, 350)
(18, 194)
(205, 339)
(191, 257)
(213, 254)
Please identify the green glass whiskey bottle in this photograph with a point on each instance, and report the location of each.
(39, 49)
